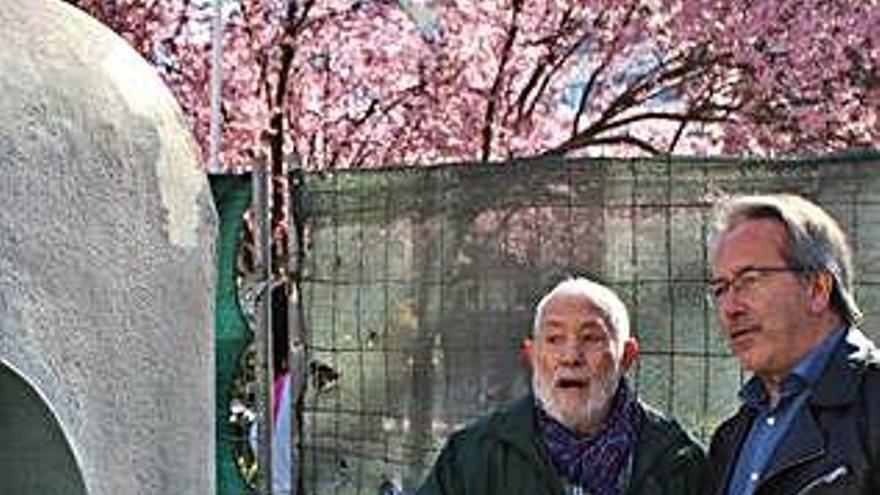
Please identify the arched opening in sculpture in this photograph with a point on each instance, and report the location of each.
(35, 457)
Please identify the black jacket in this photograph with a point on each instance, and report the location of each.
(833, 446)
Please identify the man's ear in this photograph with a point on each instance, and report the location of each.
(630, 353)
(526, 350)
(821, 286)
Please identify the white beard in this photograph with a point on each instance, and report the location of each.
(573, 410)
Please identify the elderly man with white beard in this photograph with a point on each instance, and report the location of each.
(582, 431)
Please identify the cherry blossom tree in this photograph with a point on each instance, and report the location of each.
(805, 73)
(357, 83)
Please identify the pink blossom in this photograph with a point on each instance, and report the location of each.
(378, 82)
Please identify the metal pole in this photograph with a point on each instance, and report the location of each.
(297, 356)
(214, 165)
(263, 331)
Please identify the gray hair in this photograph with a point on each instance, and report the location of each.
(605, 299)
(815, 240)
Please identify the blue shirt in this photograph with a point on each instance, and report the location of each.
(771, 424)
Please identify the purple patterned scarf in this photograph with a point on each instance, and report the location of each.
(595, 461)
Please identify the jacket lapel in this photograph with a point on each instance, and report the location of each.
(516, 427)
(653, 442)
(838, 386)
(733, 439)
(801, 444)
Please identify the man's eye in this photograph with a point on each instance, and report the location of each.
(554, 339)
(747, 280)
(717, 290)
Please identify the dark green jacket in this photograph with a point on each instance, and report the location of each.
(503, 454)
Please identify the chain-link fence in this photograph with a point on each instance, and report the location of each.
(419, 286)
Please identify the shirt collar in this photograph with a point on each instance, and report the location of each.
(804, 375)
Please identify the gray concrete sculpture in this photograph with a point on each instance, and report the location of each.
(106, 267)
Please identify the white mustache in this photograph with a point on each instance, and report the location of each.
(568, 374)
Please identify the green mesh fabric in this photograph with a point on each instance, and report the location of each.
(232, 195)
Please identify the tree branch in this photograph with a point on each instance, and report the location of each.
(546, 60)
(492, 97)
(627, 139)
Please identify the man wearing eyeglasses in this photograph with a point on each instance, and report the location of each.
(810, 418)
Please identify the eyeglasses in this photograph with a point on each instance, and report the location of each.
(744, 281)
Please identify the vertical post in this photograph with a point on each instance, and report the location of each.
(214, 165)
(263, 331)
(297, 356)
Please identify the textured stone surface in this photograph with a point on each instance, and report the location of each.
(106, 253)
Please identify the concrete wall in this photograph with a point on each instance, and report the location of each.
(106, 258)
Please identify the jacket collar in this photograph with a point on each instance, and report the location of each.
(653, 433)
(516, 423)
(837, 385)
(516, 427)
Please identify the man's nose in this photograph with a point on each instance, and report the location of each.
(729, 305)
(570, 353)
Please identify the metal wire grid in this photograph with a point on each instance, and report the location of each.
(419, 286)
